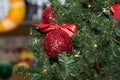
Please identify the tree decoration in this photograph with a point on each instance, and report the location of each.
(57, 41)
(47, 15)
(117, 31)
(5, 70)
(15, 15)
(115, 9)
(58, 38)
(97, 66)
(24, 65)
(27, 56)
(21, 64)
(88, 5)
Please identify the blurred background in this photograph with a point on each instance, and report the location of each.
(16, 19)
(13, 41)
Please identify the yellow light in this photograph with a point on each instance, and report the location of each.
(95, 45)
(44, 71)
(96, 75)
(89, 5)
(76, 55)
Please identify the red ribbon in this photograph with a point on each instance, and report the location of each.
(70, 29)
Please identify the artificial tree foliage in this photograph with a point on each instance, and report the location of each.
(96, 47)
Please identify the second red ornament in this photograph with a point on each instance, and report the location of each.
(47, 15)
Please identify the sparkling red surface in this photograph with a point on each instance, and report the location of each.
(56, 42)
(47, 16)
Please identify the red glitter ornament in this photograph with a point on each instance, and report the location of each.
(56, 42)
(115, 9)
(47, 16)
(58, 38)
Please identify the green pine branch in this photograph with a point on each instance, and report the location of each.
(96, 48)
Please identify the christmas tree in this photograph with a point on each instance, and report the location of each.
(76, 40)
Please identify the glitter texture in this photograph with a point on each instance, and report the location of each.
(56, 42)
(47, 16)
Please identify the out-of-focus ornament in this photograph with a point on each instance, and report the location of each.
(47, 16)
(5, 69)
(117, 29)
(14, 14)
(27, 56)
(20, 65)
(58, 38)
(115, 9)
